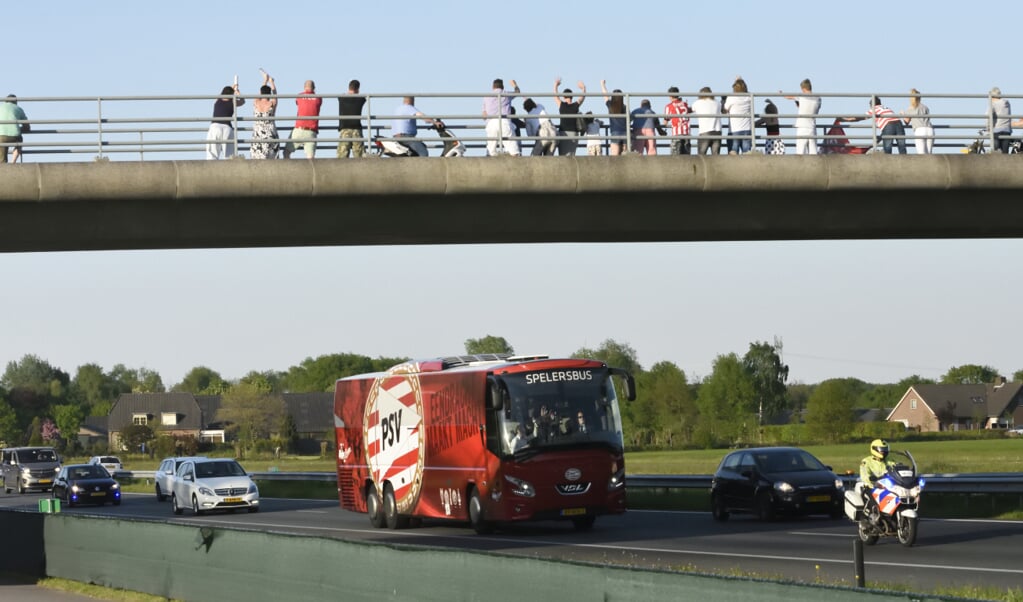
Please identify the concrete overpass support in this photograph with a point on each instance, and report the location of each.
(244, 203)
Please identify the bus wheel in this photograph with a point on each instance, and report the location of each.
(583, 523)
(391, 516)
(374, 507)
(476, 515)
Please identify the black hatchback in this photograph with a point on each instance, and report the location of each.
(86, 484)
(768, 481)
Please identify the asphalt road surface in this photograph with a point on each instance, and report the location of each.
(948, 552)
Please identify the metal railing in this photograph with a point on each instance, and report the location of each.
(175, 127)
(987, 483)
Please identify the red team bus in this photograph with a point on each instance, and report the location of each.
(483, 438)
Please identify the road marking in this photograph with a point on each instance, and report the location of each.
(311, 511)
(823, 534)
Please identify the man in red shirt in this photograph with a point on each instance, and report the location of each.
(305, 130)
(679, 124)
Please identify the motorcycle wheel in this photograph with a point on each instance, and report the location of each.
(865, 535)
(907, 531)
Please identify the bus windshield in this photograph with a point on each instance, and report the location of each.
(557, 408)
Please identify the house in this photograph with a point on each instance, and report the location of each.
(173, 414)
(932, 408)
(185, 414)
(93, 430)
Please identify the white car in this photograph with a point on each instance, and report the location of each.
(111, 463)
(164, 478)
(213, 484)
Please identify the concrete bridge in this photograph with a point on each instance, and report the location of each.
(244, 203)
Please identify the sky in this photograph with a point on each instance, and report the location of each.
(875, 310)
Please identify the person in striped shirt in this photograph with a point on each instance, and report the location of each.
(886, 123)
(679, 121)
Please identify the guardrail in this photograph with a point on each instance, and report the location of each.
(997, 482)
(136, 126)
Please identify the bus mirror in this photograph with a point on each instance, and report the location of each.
(495, 394)
(628, 382)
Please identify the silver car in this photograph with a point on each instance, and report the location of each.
(165, 474)
(28, 468)
(111, 463)
(213, 484)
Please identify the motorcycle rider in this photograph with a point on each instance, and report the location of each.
(873, 467)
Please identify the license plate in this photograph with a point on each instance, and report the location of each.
(231, 500)
(573, 511)
(44, 481)
(818, 498)
(99, 494)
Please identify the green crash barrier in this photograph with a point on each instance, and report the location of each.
(211, 563)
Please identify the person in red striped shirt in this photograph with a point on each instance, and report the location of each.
(887, 124)
(679, 120)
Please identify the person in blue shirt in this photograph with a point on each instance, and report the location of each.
(407, 128)
(644, 125)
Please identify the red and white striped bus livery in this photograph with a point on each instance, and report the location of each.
(488, 439)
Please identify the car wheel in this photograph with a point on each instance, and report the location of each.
(374, 507)
(717, 508)
(195, 506)
(765, 507)
(583, 523)
(477, 516)
(391, 516)
(174, 505)
(160, 495)
(21, 487)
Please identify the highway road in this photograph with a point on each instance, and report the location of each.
(949, 552)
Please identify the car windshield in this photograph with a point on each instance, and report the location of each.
(555, 408)
(794, 460)
(206, 470)
(38, 455)
(90, 471)
(109, 460)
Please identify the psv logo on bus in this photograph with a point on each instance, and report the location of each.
(394, 436)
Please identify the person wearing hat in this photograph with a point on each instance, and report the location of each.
(1001, 126)
(568, 129)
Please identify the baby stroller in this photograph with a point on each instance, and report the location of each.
(837, 144)
(977, 146)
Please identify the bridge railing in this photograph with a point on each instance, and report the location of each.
(175, 127)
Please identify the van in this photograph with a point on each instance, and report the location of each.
(29, 468)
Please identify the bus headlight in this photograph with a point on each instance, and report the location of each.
(520, 487)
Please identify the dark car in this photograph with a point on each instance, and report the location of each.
(768, 481)
(86, 484)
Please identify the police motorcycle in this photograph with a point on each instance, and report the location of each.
(889, 508)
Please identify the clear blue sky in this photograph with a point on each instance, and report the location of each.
(873, 310)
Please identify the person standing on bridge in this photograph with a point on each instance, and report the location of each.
(1001, 123)
(807, 106)
(305, 130)
(349, 127)
(708, 118)
(569, 110)
(264, 143)
(887, 125)
(220, 142)
(11, 132)
(540, 126)
(618, 124)
(739, 107)
(679, 111)
(496, 110)
(918, 117)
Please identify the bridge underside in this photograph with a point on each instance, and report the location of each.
(239, 203)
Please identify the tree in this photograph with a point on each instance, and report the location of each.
(135, 436)
(50, 432)
(91, 385)
(69, 419)
(969, 374)
(488, 344)
(664, 408)
(35, 432)
(320, 374)
(10, 434)
(613, 353)
(768, 375)
(269, 381)
(1017, 376)
(32, 385)
(135, 380)
(251, 413)
(201, 381)
(728, 410)
(829, 411)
